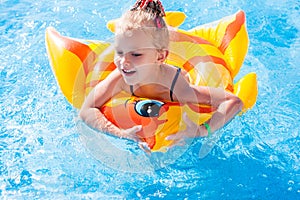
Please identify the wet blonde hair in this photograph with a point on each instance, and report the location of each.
(150, 22)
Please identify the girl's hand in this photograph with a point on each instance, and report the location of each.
(131, 133)
(192, 130)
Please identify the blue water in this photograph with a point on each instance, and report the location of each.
(45, 156)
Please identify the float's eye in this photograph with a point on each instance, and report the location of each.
(148, 108)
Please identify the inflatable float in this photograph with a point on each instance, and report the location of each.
(212, 54)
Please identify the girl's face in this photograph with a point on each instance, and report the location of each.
(136, 57)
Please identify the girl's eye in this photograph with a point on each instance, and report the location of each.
(119, 53)
(136, 54)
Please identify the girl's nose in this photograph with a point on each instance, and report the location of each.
(124, 60)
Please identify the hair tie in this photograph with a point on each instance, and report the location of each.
(157, 22)
(153, 6)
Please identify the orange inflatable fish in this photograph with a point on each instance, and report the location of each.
(212, 54)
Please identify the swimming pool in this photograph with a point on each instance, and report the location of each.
(43, 154)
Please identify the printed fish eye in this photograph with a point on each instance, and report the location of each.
(148, 108)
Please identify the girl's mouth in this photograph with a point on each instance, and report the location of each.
(128, 72)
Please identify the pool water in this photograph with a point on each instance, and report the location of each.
(45, 156)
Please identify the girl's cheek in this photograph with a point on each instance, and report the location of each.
(117, 62)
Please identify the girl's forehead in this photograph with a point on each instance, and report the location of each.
(133, 39)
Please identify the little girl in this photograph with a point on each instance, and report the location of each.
(141, 47)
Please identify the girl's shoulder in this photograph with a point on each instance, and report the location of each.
(114, 79)
(172, 70)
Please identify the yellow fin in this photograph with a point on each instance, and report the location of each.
(230, 36)
(174, 18)
(246, 89)
(66, 66)
(111, 25)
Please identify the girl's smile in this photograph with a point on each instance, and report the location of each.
(128, 72)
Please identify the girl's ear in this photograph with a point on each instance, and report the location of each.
(162, 55)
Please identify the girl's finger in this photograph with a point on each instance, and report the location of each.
(130, 133)
(186, 119)
(180, 142)
(175, 136)
(144, 146)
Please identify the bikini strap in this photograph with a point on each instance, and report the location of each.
(173, 83)
(131, 90)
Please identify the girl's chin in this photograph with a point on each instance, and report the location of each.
(130, 81)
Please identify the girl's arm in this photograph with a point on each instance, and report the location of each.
(227, 105)
(90, 111)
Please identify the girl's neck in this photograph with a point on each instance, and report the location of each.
(154, 86)
(155, 78)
